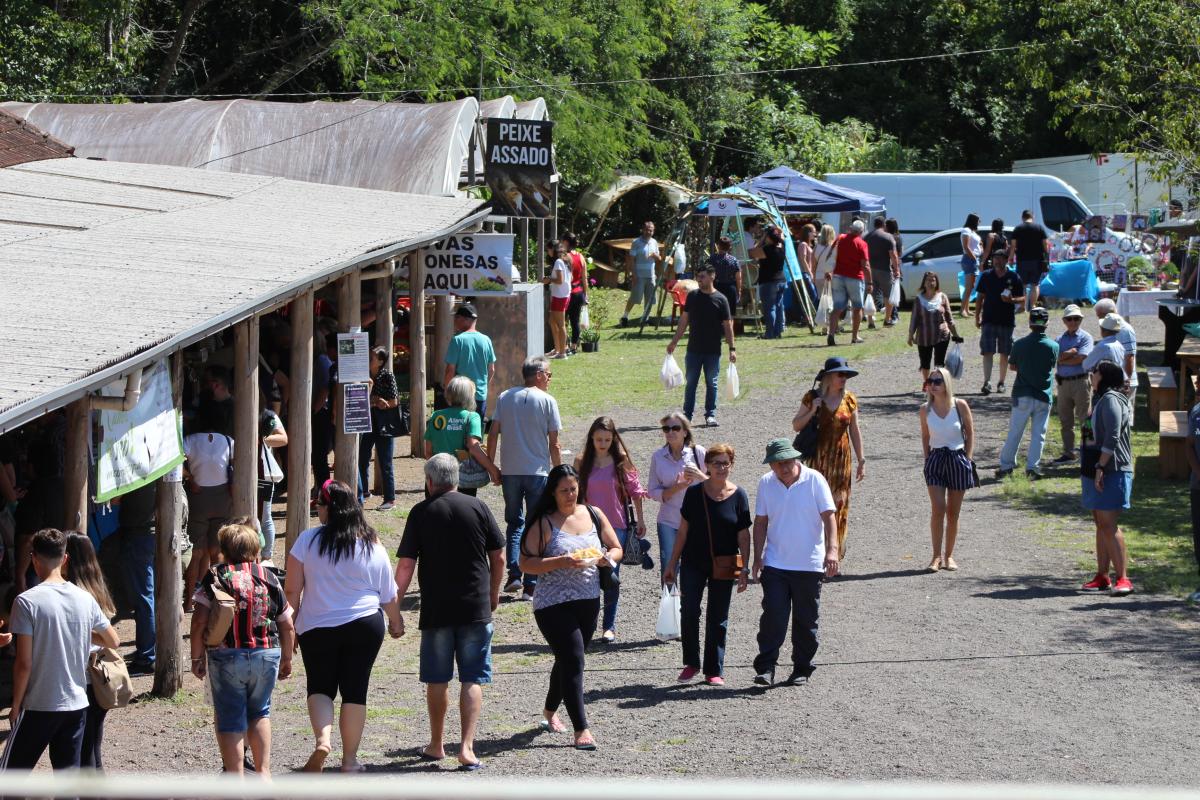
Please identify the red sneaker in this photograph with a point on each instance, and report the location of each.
(1122, 587)
(1097, 584)
(714, 680)
(688, 674)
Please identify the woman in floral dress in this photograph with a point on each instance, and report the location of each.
(837, 433)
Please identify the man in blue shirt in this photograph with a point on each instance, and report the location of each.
(1033, 358)
(644, 257)
(1000, 291)
(1074, 388)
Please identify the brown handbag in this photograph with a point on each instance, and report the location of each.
(724, 568)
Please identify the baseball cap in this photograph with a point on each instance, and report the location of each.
(1072, 311)
(1112, 322)
(466, 310)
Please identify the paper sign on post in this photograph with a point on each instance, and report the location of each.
(354, 357)
(356, 408)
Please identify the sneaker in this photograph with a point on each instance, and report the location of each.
(870, 324)
(1065, 458)
(1000, 387)
(797, 678)
(714, 680)
(764, 678)
(987, 389)
(1122, 587)
(1033, 475)
(688, 674)
(386, 506)
(609, 637)
(1002, 473)
(857, 340)
(624, 322)
(830, 341)
(711, 422)
(526, 596)
(1097, 584)
(140, 667)
(513, 586)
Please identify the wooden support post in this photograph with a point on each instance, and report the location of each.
(541, 249)
(168, 576)
(385, 335)
(525, 252)
(416, 344)
(345, 445)
(78, 463)
(245, 419)
(443, 330)
(299, 427)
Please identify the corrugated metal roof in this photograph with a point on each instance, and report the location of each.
(401, 147)
(21, 142)
(103, 261)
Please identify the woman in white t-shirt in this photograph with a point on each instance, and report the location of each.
(972, 247)
(207, 473)
(559, 281)
(340, 583)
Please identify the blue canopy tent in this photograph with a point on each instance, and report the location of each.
(796, 193)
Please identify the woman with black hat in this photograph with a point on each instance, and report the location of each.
(838, 432)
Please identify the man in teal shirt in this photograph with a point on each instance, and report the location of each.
(471, 355)
(1033, 358)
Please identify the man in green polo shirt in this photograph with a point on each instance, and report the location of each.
(1033, 358)
(470, 354)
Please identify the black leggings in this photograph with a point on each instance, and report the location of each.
(574, 309)
(93, 734)
(935, 353)
(340, 659)
(568, 627)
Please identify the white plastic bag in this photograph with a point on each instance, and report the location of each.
(733, 387)
(825, 305)
(893, 296)
(954, 361)
(585, 319)
(869, 305)
(670, 375)
(668, 626)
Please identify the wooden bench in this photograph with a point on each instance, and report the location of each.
(1162, 391)
(1172, 445)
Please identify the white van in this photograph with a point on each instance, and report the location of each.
(927, 202)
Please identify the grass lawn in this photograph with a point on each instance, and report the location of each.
(1157, 527)
(624, 373)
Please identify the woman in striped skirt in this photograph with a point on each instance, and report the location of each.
(947, 437)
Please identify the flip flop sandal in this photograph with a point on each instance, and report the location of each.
(421, 754)
(587, 746)
(478, 765)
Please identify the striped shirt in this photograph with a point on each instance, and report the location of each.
(930, 320)
(260, 602)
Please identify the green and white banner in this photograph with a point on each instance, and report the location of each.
(143, 444)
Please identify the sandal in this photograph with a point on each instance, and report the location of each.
(547, 726)
(316, 761)
(935, 565)
(949, 564)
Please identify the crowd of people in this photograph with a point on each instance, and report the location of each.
(568, 527)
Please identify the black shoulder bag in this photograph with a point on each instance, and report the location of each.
(609, 579)
(806, 440)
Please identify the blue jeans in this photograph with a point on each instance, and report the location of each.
(470, 646)
(613, 596)
(693, 362)
(787, 593)
(666, 545)
(691, 588)
(384, 446)
(521, 493)
(770, 296)
(242, 681)
(137, 567)
(268, 527)
(1025, 409)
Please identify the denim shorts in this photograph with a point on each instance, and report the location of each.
(641, 289)
(1118, 486)
(468, 645)
(996, 339)
(242, 681)
(847, 292)
(970, 265)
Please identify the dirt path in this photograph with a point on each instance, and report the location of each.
(999, 672)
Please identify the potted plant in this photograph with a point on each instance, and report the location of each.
(1138, 272)
(590, 340)
(597, 310)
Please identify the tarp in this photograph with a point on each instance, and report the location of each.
(1066, 280)
(750, 205)
(599, 200)
(796, 193)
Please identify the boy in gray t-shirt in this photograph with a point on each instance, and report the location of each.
(55, 625)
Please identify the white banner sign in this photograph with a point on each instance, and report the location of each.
(354, 357)
(140, 445)
(470, 264)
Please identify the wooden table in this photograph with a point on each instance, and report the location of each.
(1189, 361)
(1172, 445)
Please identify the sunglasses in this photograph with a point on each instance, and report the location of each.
(935, 381)
(548, 373)
(720, 464)
(670, 428)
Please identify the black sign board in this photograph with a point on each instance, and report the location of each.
(518, 166)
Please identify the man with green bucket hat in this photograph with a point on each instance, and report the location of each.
(795, 547)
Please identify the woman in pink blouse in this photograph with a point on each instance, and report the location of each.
(674, 467)
(609, 481)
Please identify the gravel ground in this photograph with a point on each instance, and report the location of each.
(999, 672)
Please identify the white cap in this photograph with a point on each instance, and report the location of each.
(1112, 322)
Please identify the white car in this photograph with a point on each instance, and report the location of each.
(942, 253)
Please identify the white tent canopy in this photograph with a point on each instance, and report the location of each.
(400, 147)
(109, 266)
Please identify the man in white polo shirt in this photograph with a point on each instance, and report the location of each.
(795, 546)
